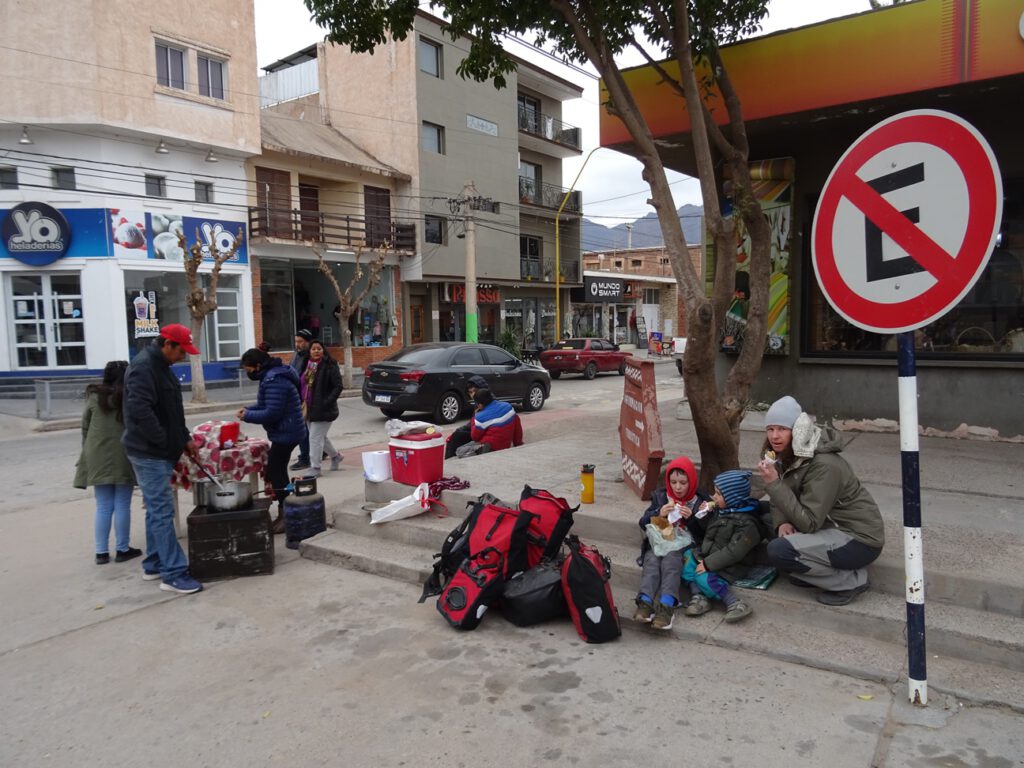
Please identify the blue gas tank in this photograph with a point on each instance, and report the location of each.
(305, 513)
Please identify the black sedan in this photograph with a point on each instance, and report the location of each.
(434, 377)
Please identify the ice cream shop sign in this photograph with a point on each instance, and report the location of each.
(36, 234)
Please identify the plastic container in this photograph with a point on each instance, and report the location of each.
(587, 484)
(417, 458)
(377, 466)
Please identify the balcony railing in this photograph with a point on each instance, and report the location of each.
(291, 83)
(330, 229)
(547, 195)
(547, 127)
(544, 269)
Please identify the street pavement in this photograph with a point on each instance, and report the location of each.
(316, 665)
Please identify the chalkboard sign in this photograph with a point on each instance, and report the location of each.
(641, 328)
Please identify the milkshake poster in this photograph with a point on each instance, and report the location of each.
(143, 313)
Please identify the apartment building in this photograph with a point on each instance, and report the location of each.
(406, 107)
(118, 130)
(638, 296)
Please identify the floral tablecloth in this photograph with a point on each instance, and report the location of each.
(247, 456)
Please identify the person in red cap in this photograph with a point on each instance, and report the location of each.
(154, 437)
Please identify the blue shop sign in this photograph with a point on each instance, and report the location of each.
(38, 234)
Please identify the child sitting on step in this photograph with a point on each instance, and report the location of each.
(673, 508)
(731, 529)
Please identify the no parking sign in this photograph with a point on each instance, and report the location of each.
(907, 221)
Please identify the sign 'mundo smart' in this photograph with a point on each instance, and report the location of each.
(599, 289)
(907, 221)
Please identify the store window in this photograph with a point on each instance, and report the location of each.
(46, 315)
(988, 323)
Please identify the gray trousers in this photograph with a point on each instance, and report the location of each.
(829, 559)
(661, 575)
(319, 442)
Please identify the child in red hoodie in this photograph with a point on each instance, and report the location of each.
(673, 506)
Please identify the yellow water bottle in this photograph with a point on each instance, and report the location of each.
(587, 484)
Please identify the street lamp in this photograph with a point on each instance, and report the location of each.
(558, 270)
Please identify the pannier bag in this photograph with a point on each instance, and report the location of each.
(553, 517)
(534, 595)
(586, 582)
(475, 586)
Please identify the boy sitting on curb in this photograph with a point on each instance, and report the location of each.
(673, 506)
(731, 530)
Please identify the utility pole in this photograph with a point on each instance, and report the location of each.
(468, 203)
(629, 236)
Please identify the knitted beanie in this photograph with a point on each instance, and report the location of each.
(734, 486)
(304, 334)
(478, 381)
(783, 413)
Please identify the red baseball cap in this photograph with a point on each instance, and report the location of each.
(179, 334)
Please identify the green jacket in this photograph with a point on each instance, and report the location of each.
(103, 460)
(728, 539)
(823, 492)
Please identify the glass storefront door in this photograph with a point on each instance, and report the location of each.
(46, 314)
(224, 326)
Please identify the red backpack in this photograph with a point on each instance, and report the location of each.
(586, 581)
(552, 519)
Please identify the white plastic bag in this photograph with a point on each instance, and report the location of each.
(397, 427)
(414, 504)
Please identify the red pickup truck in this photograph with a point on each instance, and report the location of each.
(586, 356)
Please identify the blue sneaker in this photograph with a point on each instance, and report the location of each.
(150, 575)
(183, 585)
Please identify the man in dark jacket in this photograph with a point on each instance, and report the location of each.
(154, 437)
(462, 435)
(298, 364)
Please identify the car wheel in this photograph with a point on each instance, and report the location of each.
(622, 368)
(392, 413)
(590, 371)
(448, 408)
(556, 374)
(534, 399)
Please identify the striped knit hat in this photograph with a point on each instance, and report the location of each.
(734, 486)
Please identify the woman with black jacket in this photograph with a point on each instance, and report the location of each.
(279, 409)
(320, 385)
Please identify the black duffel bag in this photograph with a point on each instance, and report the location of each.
(535, 595)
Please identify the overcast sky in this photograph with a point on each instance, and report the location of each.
(284, 26)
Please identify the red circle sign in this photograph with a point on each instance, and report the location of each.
(907, 221)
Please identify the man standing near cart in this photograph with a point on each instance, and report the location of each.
(155, 435)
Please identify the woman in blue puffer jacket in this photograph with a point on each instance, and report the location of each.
(279, 409)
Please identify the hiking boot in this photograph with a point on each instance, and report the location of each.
(737, 612)
(102, 558)
(697, 606)
(183, 585)
(663, 616)
(126, 554)
(644, 612)
(841, 596)
(300, 464)
(336, 461)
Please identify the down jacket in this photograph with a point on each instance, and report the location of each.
(323, 403)
(820, 490)
(278, 407)
(154, 415)
(497, 424)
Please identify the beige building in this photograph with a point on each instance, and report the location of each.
(122, 124)
(638, 296)
(406, 107)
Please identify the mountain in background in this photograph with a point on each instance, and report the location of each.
(646, 231)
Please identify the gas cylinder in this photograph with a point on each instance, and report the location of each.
(305, 512)
(587, 484)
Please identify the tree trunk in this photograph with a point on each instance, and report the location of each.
(196, 363)
(346, 350)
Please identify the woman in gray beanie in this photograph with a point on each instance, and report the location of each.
(829, 528)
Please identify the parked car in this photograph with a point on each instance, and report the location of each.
(434, 377)
(586, 356)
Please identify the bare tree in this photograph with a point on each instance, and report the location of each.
(202, 301)
(347, 305)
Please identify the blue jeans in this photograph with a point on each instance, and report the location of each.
(113, 502)
(163, 552)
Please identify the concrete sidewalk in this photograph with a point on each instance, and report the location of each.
(972, 506)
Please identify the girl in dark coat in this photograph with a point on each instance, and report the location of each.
(320, 385)
(279, 409)
(104, 465)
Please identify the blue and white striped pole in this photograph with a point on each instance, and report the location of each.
(913, 552)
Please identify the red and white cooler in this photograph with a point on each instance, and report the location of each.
(417, 458)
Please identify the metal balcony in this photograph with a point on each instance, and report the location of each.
(543, 270)
(330, 229)
(533, 192)
(549, 128)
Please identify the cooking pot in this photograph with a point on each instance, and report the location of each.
(232, 495)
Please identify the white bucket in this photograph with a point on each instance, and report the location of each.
(377, 466)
